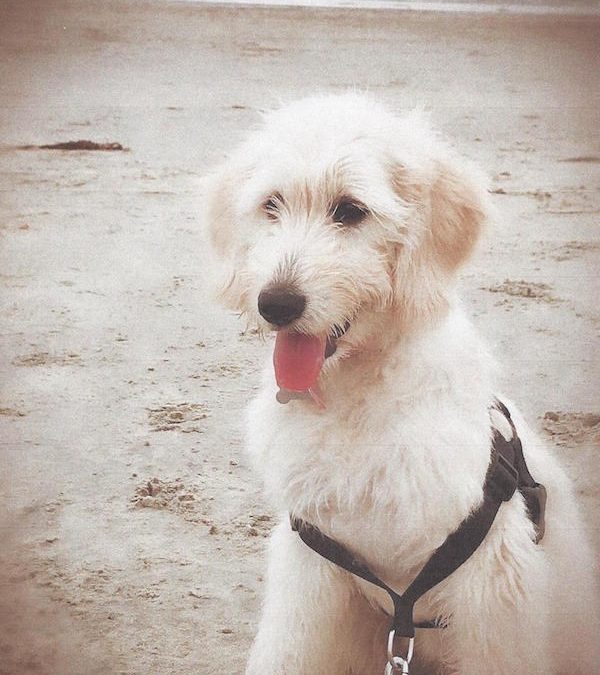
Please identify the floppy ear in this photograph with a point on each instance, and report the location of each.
(217, 192)
(449, 204)
(458, 209)
(221, 227)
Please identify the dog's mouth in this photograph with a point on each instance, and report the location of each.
(335, 334)
(298, 357)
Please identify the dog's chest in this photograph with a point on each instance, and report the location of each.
(389, 490)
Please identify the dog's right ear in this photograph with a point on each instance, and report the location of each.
(220, 219)
(218, 207)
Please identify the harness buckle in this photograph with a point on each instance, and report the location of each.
(395, 663)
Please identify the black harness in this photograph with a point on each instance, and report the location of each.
(507, 473)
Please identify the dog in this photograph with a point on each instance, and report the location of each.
(342, 226)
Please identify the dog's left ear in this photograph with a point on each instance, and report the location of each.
(449, 204)
(459, 207)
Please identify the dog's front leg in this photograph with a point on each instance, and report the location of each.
(499, 623)
(305, 627)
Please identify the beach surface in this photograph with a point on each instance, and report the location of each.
(133, 531)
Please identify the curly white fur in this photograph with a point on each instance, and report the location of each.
(398, 457)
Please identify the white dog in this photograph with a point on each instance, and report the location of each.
(343, 226)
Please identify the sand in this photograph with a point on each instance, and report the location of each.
(133, 531)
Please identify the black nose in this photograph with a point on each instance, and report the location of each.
(280, 305)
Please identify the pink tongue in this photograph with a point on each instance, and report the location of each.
(298, 359)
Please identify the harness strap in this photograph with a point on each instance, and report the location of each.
(507, 472)
(534, 493)
(456, 549)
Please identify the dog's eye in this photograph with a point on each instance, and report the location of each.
(272, 206)
(349, 213)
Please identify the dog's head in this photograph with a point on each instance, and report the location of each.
(338, 218)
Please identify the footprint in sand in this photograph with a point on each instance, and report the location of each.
(182, 417)
(47, 359)
(523, 289)
(567, 428)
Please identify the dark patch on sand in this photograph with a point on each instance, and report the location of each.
(259, 49)
(584, 159)
(540, 195)
(78, 145)
(11, 412)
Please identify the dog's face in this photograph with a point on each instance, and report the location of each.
(338, 217)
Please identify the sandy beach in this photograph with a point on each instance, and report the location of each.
(133, 531)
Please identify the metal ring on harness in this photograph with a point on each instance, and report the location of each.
(398, 664)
